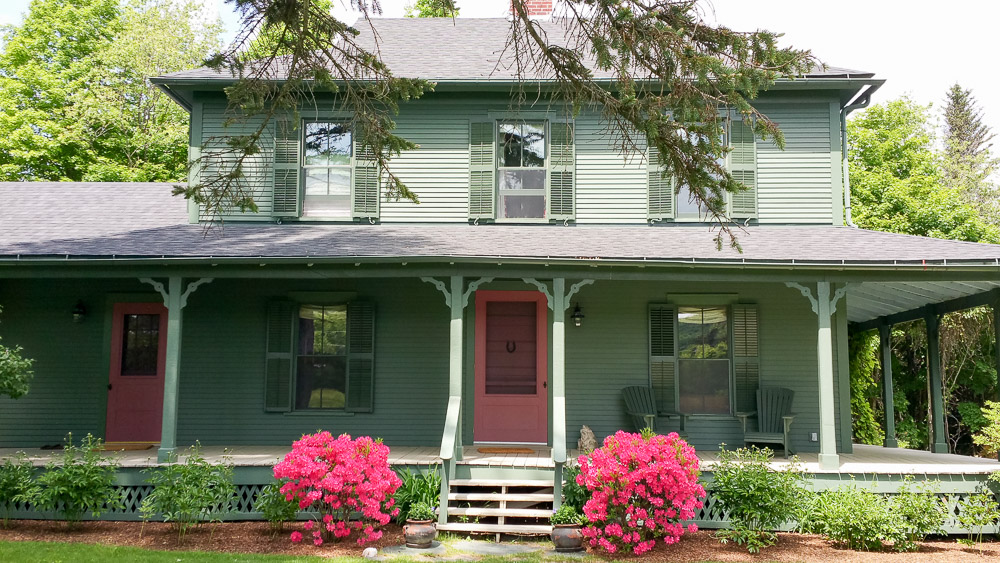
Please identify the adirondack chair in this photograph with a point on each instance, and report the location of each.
(774, 418)
(640, 404)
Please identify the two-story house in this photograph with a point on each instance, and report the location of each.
(541, 273)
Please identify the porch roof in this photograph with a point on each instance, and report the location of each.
(129, 222)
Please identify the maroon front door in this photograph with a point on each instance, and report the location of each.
(511, 367)
(138, 362)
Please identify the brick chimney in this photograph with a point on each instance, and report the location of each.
(538, 9)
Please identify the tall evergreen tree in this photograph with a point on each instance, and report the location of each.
(968, 164)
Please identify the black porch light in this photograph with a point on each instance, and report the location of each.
(79, 312)
(577, 315)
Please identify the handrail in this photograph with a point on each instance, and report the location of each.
(451, 427)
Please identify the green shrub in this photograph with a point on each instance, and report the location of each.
(189, 493)
(275, 507)
(574, 494)
(988, 435)
(420, 511)
(16, 484)
(919, 513)
(757, 498)
(567, 515)
(416, 487)
(867, 521)
(978, 511)
(81, 480)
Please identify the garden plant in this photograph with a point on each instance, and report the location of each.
(81, 481)
(420, 512)
(574, 494)
(190, 493)
(275, 507)
(756, 498)
(415, 488)
(979, 510)
(338, 477)
(16, 484)
(643, 487)
(567, 515)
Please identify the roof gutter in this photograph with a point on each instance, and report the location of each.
(860, 101)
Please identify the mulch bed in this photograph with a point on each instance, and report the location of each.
(256, 537)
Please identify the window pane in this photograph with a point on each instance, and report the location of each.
(522, 180)
(521, 144)
(328, 192)
(704, 386)
(702, 332)
(321, 374)
(140, 345)
(327, 144)
(524, 206)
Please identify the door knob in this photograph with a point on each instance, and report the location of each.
(109, 386)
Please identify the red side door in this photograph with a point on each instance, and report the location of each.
(511, 403)
(138, 363)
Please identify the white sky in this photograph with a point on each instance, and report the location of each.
(921, 48)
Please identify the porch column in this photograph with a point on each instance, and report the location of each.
(885, 347)
(996, 342)
(455, 354)
(171, 380)
(940, 443)
(558, 381)
(828, 458)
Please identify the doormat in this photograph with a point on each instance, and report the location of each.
(505, 450)
(127, 446)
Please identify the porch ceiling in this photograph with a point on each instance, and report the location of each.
(895, 302)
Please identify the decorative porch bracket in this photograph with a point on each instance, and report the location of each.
(824, 306)
(174, 300)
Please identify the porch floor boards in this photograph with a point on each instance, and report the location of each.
(865, 459)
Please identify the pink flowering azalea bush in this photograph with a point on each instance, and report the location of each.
(340, 478)
(642, 486)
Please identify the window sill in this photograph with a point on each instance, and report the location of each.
(316, 413)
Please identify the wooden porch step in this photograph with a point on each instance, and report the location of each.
(507, 512)
(534, 529)
(540, 483)
(497, 497)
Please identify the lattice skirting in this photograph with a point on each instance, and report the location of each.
(954, 488)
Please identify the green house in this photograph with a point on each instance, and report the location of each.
(541, 273)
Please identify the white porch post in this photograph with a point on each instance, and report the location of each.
(828, 458)
(558, 381)
(455, 354)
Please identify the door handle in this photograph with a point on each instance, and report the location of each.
(545, 384)
(109, 387)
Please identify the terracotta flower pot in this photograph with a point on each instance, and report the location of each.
(567, 537)
(419, 533)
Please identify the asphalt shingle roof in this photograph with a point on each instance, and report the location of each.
(92, 220)
(441, 49)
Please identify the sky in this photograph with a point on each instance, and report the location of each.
(921, 48)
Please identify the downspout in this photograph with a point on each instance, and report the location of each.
(865, 99)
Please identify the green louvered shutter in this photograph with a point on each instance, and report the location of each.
(659, 189)
(482, 170)
(663, 356)
(365, 182)
(743, 167)
(746, 356)
(561, 182)
(360, 356)
(281, 316)
(286, 170)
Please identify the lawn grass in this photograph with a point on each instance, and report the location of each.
(58, 552)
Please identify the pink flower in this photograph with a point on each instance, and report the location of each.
(318, 542)
(296, 537)
(308, 525)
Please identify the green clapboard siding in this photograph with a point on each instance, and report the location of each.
(222, 380)
(257, 171)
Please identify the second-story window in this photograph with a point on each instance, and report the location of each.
(521, 169)
(688, 208)
(326, 166)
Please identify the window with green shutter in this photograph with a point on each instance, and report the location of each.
(366, 186)
(320, 357)
(562, 172)
(704, 359)
(482, 170)
(743, 167)
(659, 188)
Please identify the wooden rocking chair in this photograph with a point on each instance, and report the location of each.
(774, 418)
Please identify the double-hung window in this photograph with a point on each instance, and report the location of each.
(703, 358)
(326, 165)
(320, 356)
(521, 169)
